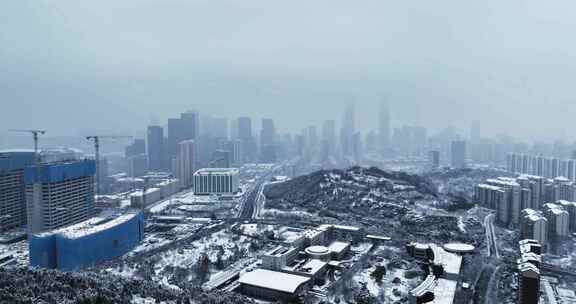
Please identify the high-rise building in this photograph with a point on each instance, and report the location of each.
(529, 274)
(570, 207)
(434, 159)
(508, 211)
(220, 159)
(268, 141)
(12, 194)
(458, 155)
(187, 162)
(234, 146)
(137, 165)
(348, 131)
(248, 141)
(328, 139)
(558, 220)
(59, 194)
(155, 145)
(534, 225)
(384, 127)
(137, 147)
(475, 132)
(179, 129)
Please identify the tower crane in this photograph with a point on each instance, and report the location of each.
(35, 134)
(96, 140)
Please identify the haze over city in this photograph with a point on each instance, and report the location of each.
(296, 152)
(298, 62)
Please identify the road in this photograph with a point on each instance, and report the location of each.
(491, 240)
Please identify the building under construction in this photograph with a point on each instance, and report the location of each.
(59, 194)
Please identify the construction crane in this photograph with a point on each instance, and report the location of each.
(35, 134)
(96, 140)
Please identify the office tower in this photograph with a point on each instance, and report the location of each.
(219, 128)
(384, 127)
(573, 154)
(328, 139)
(216, 181)
(234, 146)
(268, 141)
(371, 141)
(434, 159)
(419, 139)
(558, 220)
(206, 146)
(248, 141)
(155, 151)
(186, 162)
(137, 165)
(458, 149)
(534, 225)
(59, 194)
(348, 130)
(475, 132)
(12, 194)
(179, 129)
(138, 146)
(214, 127)
(220, 159)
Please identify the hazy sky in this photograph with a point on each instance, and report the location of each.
(73, 66)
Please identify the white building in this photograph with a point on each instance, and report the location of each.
(216, 181)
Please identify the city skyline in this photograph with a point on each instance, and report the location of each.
(487, 69)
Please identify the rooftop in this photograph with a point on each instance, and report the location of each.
(274, 280)
(91, 226)
(209, 171)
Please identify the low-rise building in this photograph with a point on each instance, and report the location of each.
(219, 181)
(87, 243)
(273, 285)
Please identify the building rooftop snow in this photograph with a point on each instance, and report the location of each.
(274, 280)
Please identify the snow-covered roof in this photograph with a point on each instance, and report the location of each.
(217, 171)
(338, 247)
(274, 280)
(91, 226)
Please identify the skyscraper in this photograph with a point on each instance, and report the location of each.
(458, 149)
(248, 141)
(137, 147)
(384, 127)
(12, 194)
(220, 159)
(179, 129)
(59, 194)
(267, 141)
(348, 130)
(186, 163)
(155, 148)
(328, 139)
(475, 132)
